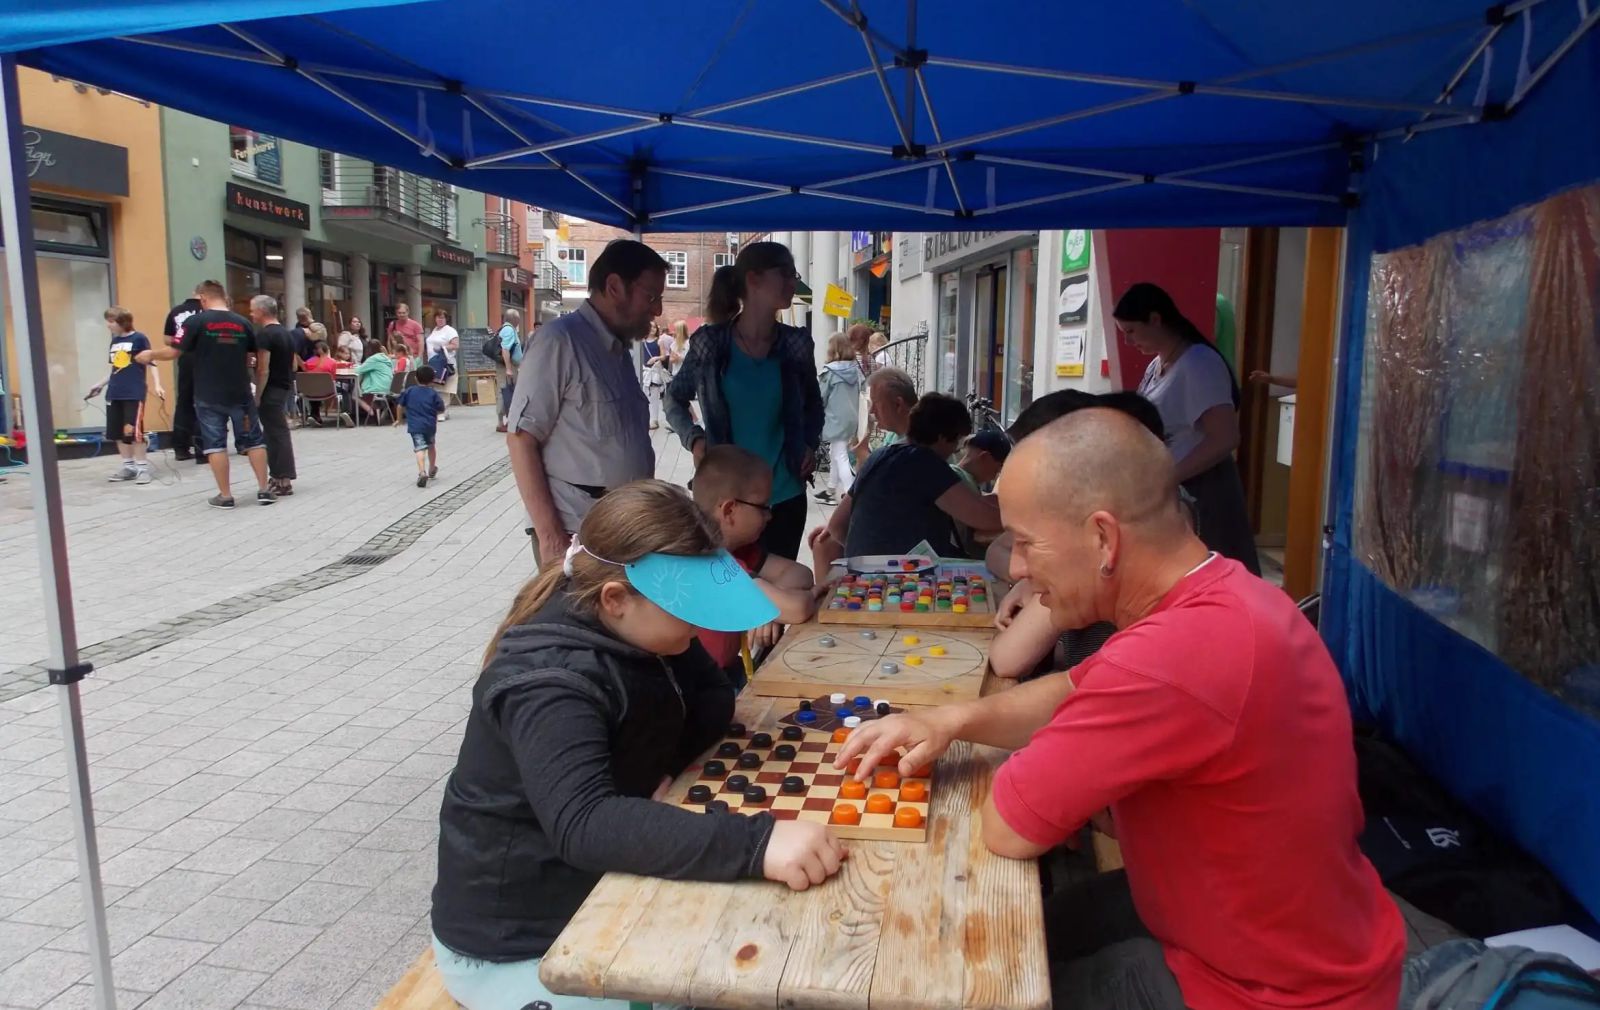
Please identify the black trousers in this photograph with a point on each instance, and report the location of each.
(184, 425)
(275, 426)
(786, 528)
(1101, 954)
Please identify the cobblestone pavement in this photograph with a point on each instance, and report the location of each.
(278, 697)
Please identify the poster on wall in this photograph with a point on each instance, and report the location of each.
(1072, 325)
(1072, 305)
(837, 302)
(1074, 251)
(1069, 352)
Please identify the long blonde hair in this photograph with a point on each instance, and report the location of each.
(644, 517)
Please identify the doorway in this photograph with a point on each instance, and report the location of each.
(990, 303)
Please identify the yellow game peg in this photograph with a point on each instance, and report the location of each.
(937, 650)
(912, 639)
(913, 660)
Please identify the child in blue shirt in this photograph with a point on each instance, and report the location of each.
(423, 405)
(125, 390)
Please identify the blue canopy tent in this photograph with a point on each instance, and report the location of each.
(1400, 120)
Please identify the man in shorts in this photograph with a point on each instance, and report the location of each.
(220, 348)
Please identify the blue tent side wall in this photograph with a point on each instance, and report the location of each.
(1518, 756)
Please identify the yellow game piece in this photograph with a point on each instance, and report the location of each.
(959, 608)
(912, 639)
(937, 650)
(913, 660)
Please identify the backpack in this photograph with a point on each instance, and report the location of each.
(1510, 978)
(492, 348)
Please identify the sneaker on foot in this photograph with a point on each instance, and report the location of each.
(422, 480)
(219, 502)
(126, 473)
(264, 497)
(143, 475)
(823, 496)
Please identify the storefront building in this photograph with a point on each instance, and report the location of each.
(99, 227)
(340, 236)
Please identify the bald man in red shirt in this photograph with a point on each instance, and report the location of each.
(1213, 726)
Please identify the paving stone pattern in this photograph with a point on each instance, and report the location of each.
(269, 725)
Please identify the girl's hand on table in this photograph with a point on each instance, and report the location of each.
(802, 853)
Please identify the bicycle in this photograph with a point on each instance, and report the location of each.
(984, 416)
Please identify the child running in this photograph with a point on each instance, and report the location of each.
(731, 486)
(593, 696)
(125, 394)
(423, 405)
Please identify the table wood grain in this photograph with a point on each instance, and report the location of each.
(939, 925)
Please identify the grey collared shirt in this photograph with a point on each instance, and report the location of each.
(578, 393)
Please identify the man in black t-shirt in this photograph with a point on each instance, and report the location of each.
(220, 348)
(183, 423)
(275, 344)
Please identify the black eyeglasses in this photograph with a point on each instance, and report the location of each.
(765, 510)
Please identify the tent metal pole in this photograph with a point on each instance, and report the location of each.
(1223, 187)
(680, 173)
(794, 89)
(717, 204)
(484, 107)
(1258, 159)
(868, 201)
(857, 21)
(556, 145)
(1054, 198)
(938, 137)
(22, 269)
(798, 138)
(198, 49)
(569, 105)
(1550, 61)
(1045, 166)
(883, 79)
(1041, 124)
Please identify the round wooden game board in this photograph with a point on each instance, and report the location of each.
(802, 666)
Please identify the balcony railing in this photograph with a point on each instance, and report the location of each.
(502, 239)
(387, 201)
(547, 276)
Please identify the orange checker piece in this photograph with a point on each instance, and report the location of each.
(908, 817)
(841, 735)
(885, 779)
(853, 790)
(914, 792)
(846, 813)
(878, 803)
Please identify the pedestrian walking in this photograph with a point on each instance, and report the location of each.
(580, 423)
(274, 395)
(423, 406)
(508, 355)
(222, 346)
(126, 388)
(442, 343)
(840, 381)
(184, 428)
(658, 356)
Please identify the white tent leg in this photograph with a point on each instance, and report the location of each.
(16, 220)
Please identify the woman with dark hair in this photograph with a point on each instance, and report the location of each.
(1193, 387)
(756, 382)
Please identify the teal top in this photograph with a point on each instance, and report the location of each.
(753, 390)
(891, 438)
(377, 373)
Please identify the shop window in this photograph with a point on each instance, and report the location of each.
(442, 285)
(73, 292)
(255, 155)
(274, 256)
(238, 247)
(335, 267)
(677, 268)
(575, 263)
(945, 350)
(1020, 349)
(327, 170)
(70, 228)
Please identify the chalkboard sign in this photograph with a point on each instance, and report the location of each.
(469, 355)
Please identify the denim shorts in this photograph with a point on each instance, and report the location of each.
(422, 440)
(515, 985)
(214, 420)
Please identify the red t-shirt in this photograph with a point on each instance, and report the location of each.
(724, 645)
(326, 363)
(410, 331)
(1217, 730)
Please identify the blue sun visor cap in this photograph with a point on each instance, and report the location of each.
(709, 591)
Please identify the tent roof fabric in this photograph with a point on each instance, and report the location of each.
(839, 114)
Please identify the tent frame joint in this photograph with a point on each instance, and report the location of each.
(1495, 112)
(1498, 14)
(1350, 201)
(916, 152)
(1186, 87)
(454, 88)
(911, 59)
(70, 675)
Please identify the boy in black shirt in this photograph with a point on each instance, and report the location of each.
(183, 424)
(125, 393)
(220, 349)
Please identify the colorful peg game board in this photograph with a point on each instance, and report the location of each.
(949, 595)
(791, 775)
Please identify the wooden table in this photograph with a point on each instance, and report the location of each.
(940, 925)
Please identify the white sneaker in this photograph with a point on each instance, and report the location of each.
(126, 473)
(144, 475)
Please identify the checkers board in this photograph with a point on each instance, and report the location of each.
(957, 594)
(753, 772)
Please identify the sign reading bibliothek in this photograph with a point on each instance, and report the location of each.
(254, 203)
(451, 256)
(838, 302)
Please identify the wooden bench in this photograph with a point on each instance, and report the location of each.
(420, 988)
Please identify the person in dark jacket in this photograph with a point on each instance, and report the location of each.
(756, 382)
(594, 695)
(184, 425)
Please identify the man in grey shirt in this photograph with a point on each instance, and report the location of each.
(580, 422)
